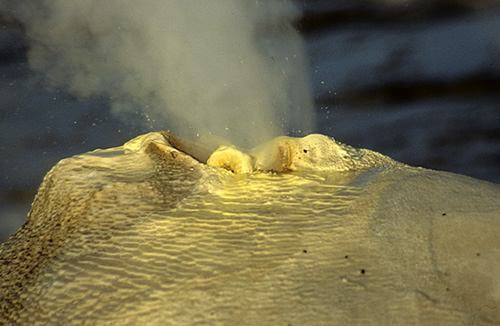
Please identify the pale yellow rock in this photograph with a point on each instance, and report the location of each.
(283, 154)
(231, 159)
(145, 234)
(314, 152)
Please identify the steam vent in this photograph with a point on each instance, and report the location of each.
(298, 231)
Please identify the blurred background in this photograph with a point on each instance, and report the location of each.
(418, 81)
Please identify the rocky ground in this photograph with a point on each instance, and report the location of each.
(416, 81)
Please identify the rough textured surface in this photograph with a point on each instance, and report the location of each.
(144, 234)
(416, 80)
(285, 154)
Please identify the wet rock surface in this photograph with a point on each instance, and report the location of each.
(418, 82)
(146, 234)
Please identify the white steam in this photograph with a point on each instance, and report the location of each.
(229, 68)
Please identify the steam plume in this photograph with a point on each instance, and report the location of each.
(229, 68)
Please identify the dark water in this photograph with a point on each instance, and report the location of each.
(415, 81)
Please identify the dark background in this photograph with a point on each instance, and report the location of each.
(418, 81)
